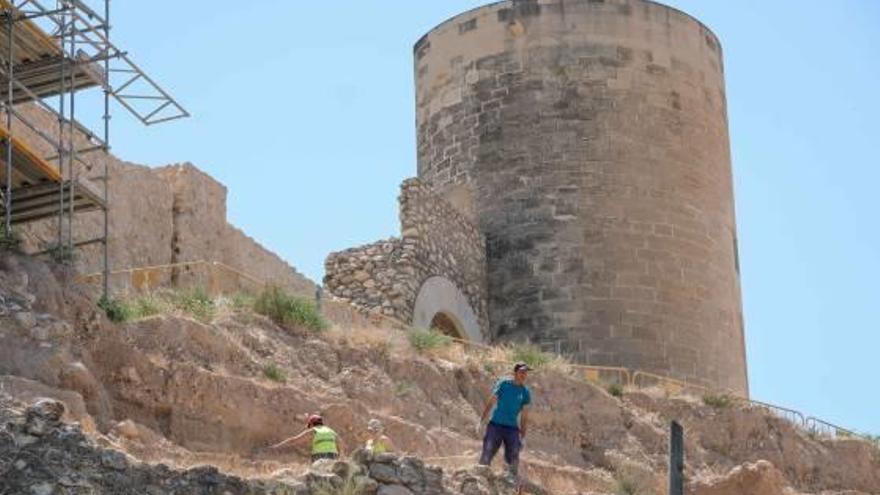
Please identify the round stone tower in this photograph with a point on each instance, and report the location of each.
(588, 140)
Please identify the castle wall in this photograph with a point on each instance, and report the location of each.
(157, 216)
(436, 241)
(588, 140)
(140, 217)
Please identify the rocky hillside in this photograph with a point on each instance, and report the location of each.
(179, 390)
(43, 456)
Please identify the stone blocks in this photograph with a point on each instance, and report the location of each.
(588, 141)
(436, 240)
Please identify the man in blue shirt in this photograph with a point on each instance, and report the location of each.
(509, 422)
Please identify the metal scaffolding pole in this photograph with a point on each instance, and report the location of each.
(7, 194)
(86, 58)
(61, 150)
(71, 136)
(106, 287)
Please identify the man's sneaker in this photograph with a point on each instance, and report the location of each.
(511, 477)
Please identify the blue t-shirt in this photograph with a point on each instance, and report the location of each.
(511, 399)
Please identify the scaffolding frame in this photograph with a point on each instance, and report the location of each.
(56, 48)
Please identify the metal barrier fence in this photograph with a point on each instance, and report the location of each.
(604, 375)
(643, 379)
(790, 415)
(217, 278)
(819, 427)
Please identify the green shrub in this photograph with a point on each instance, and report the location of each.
(274, 373)
(195, 302)
(116, 309)
(530, 355)
(242, 301)
(424, 340)
(615, 389)
(402, 388)
(350, 486)
(626, 487)
(289, 310)
(718, 401)
(145, 306)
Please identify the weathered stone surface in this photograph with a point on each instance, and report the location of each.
(589, 143)
(385, 473)
(42, 416)
(157, 216)
(759, 478)
(25, 319)
(394, 490)
(114, 460)
(387, 276)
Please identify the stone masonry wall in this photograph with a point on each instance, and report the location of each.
(140, 219)
(201, 231)
(377, 277)
(157, 216)
(589, 142)
(436, 241)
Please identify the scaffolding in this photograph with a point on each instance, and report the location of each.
(51, 50)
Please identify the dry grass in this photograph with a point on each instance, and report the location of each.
(382, 340)
(195, 303)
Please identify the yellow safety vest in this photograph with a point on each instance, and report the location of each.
(324, 441)
(377, 446)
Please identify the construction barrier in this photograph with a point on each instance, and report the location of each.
(790, 415)
(604, 375)
(643, 379)
(818, 427)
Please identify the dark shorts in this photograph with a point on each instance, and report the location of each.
(317, 457)
(496, 435)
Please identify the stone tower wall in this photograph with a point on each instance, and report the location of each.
(588, 140)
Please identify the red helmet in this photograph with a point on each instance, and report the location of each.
(314, 420)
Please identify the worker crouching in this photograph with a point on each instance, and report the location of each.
(326, 443)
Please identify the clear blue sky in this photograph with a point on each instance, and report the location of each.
(305, 111)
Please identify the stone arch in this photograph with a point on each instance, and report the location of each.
(440, 301)
(448, 324)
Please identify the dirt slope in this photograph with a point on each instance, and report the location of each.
(172, 389)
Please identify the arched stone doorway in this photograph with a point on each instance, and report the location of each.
(441, 305)
(446, 324)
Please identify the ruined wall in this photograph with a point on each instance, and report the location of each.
(377, 277)
(436, 241)
(140, 213)
(241, 251)
(201, 231)
(588, 140)
(157, 216)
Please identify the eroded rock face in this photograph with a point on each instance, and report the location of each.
(174, 390)
(759, 478)
(39, 454)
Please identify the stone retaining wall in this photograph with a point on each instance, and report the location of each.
(436, 241)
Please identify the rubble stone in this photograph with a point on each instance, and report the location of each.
(437, 240)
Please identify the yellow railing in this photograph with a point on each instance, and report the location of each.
(672, 386)
(606, 375)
